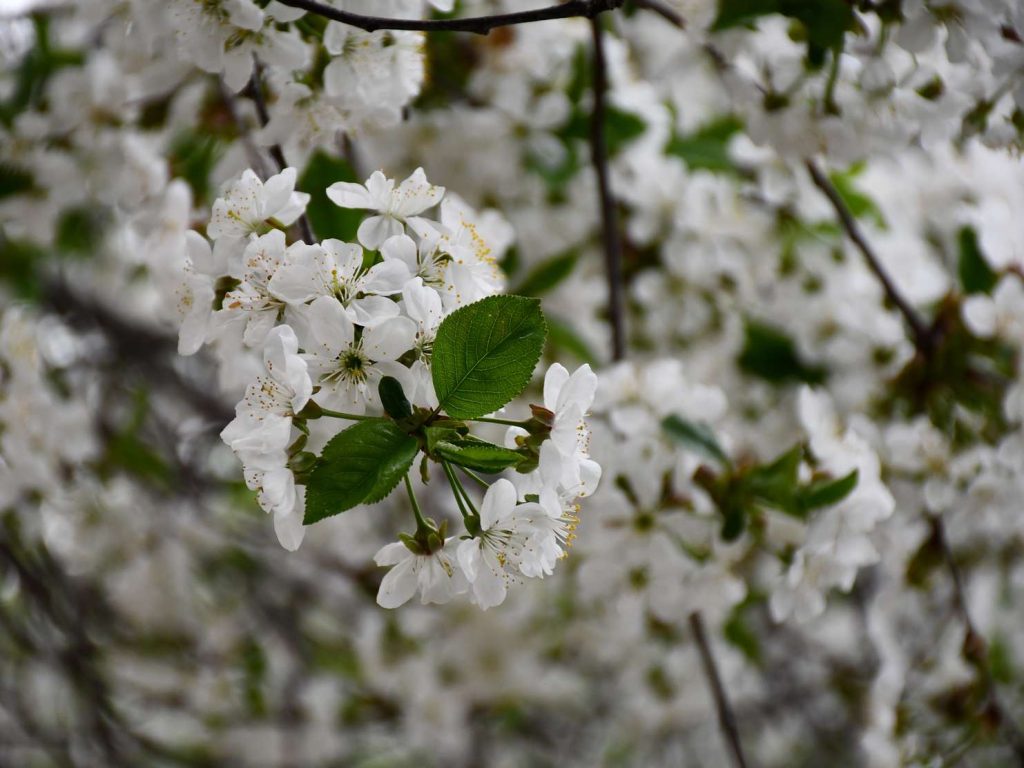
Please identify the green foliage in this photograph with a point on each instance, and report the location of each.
(450, 60)
(363, 463)
(824, 22)
(393, 399)
(860, 205)
(14, 180)
(19, 263)
(39, 64)
(485, 353)
(707, 148)
(976, 276)
(695, 436)
(547, 275)
(327, 219)
(825, 493)
(80, 230)
(564, 338)
(770, 354)
(193, 155)
(477, 454)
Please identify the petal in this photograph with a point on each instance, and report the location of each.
(392, 554)
(290, 530)
(580, 389)
(554, 380)
(387, 277)
(345, 194)
(400, 248)
(331, 326)
(375, 230)
(390, 339)
(398, 585)
(498, 503)
(372, 310)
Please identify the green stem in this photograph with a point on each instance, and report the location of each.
(461, 497)
(340, 415)
(506, 422)
(831, 108)
(475, 476)
(417, 512)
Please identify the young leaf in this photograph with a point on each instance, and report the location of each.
(392, 397)
(485, 353)
(976, 276)
(771, 354)
(362, 464)
(695, 436)
(828, 492)
(478, 455)
(547, 275)
(707, 148)
(775, 484)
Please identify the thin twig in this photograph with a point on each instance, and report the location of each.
(610, 237)
(726, 718)
(258, 99)
(671, 15)
(975, 647)
(479, 25)
(256, 159)
(921, 337)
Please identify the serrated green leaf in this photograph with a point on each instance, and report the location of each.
(485, 353)
(363, 464)
(478, 455)
(696, 436)
(771, 355)
(976, 276)
(547, 275)
(828, 492)
(327, 219)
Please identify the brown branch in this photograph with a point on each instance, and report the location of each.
(478, 25)
(726, 717)
(259, 100)
(975, 648)
(610, 237)
(921, 337)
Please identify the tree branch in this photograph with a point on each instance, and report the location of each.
(726, 717)
(920, 335)
(975, 647)
(478, 25)
(258, 99)
(610, 237)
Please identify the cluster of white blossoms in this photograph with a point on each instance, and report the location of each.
(836, 497)
(333, 320)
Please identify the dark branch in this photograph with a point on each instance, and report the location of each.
(668, 14)
(258, 99)
(610, 237)
(726, 718)
(921, 337)
(479, 25)
(975, 647)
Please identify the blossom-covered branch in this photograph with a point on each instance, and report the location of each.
(480, 25)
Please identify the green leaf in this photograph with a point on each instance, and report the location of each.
(976, 276)
(392, 397)
(695, 436)
(547, 275)
(826, 21)
(825, 493)
(775, 484)
(14, 180)
(860, 205)
(478, 455)
(363, 464)
(327, 219)
(80, 230)
(485, 353)
(564, 338)
(771, 355)
(707, 148)
(193, 155)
